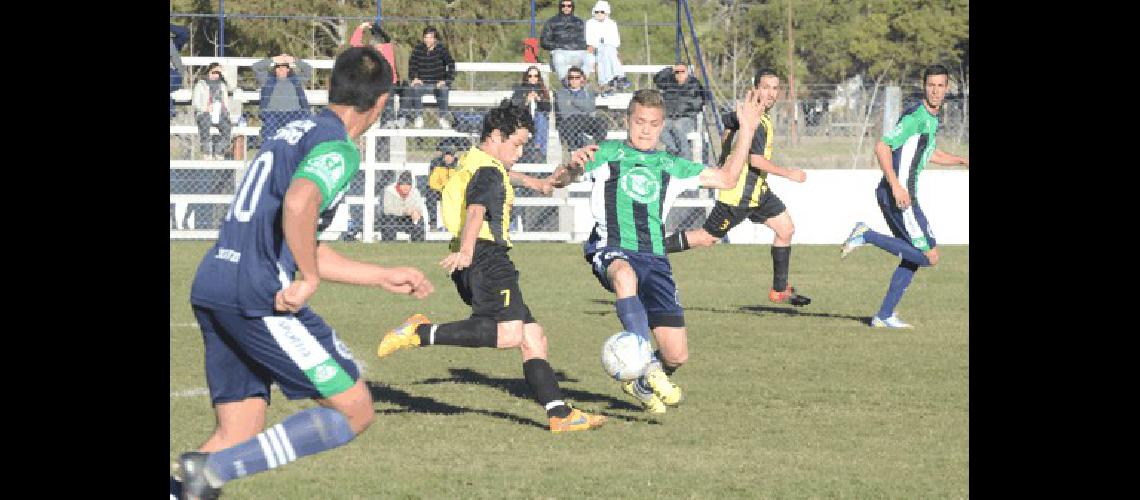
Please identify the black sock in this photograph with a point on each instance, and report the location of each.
(676, 242)
(780, 258)
(664, 367)
(540, 377)
(471, 332)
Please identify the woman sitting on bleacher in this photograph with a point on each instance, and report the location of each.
(531, 94)
(211, 102)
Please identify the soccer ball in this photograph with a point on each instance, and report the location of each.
(625, 356)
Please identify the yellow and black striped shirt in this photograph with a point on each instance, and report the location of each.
(753, 182)
(479, 179)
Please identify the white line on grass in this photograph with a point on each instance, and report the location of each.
(184, 325)
(190, 393)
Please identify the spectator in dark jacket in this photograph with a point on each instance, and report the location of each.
(430, 69)
(532, 96)
(283, 96)
(683, 96)
(178, 37)
(574, 109)
(564, 35)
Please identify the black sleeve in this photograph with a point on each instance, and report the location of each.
(545, 40)
(485, 188)
(449, 64)
(661, 78)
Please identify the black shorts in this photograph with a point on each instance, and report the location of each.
(725, 217)
(490, 285)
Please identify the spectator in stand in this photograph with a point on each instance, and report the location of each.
(574, 111)
(531, 95)
(211, 102)
(442, 166)
(602, 42)
(430, 69)
(282, 96)
(178, 37)
(564, 35)
(684, 97)
(403, 209)
(383, 44)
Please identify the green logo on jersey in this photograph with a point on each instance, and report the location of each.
(640, 184)
(329, 167)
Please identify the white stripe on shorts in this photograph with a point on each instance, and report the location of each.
(296, 340)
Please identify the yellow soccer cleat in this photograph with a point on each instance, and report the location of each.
(664, 388)
(401, 337)
(650, 401)
(577, 420)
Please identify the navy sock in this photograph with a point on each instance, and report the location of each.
(540, 377)
(301, 434)
(632, 315)
(780, 258)
(899, 281)
(897, 247)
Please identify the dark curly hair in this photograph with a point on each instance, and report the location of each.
(507, 118)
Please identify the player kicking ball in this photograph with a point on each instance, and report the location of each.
(634, 184)
(476, 203)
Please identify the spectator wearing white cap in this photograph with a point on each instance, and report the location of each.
(602, 42)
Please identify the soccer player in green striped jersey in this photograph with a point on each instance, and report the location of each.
(903, 153)
(634, 185)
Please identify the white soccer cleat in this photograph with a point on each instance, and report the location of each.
(854, 240)
(891, 322)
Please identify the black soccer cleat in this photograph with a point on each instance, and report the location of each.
(194, 483)
(788, 296)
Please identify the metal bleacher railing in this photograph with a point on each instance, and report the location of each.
(201, 189)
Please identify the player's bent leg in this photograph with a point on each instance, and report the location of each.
(623, 277)
(932, 256)
(236, 422)
(355, 404)
(782, 292)
(340, 418)
(673, 350)
(540, 377)
(784, 228)
(533, 344)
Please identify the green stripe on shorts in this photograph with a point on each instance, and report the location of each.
(329, 378)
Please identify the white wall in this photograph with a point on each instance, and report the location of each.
(827, 205)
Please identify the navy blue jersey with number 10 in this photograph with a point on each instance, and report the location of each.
(251, 262)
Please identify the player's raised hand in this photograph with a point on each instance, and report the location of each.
(294, 297)
(749, 110)
(455, 261)
(407, 280)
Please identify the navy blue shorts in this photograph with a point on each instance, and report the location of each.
(300, 352)
(910, 224)
(655, 286)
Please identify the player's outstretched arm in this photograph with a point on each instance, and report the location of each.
(467, 236)
(299, 225)
(565, 175)
(943, 158)
(402, 280)
(748, 112)
(766, 165)
(544, 186)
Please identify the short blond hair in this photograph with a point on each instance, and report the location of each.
(650, 98)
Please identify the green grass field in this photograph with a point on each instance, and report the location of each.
(780, 403)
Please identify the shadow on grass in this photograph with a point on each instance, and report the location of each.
(787, 311)
(757, 310)
(516, 387)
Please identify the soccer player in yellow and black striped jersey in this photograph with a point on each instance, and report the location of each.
(753, 199)
(476, 209)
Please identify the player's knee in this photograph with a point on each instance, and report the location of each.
(675, 359)
(623, 278)
(533, 341)
(340, 426)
